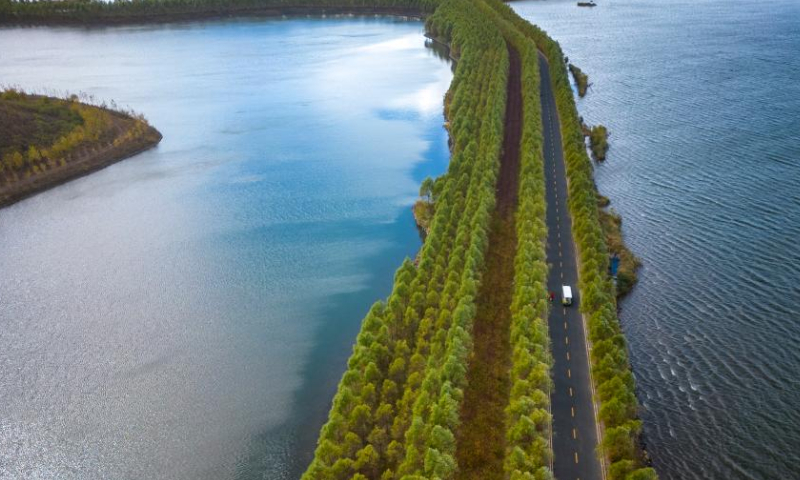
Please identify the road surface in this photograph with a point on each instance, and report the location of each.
(574, 426)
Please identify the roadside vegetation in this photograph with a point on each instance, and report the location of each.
(581, 79)
(48, 140)
(611, 371)
(399, 412)
(527, 419)
(598, 142)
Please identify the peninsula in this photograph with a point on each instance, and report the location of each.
(47, 141)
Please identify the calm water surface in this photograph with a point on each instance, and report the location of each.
(703, 104)
(187, 313)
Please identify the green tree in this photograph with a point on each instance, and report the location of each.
(426, 189)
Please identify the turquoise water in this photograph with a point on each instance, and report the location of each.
(187, 313)
(702, 103)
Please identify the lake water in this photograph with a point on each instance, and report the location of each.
(187, 313)
(703, 106)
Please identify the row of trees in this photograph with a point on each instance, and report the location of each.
(610, 366)
(96, 129)
(92, 11)
(528, 423)
(396, 412)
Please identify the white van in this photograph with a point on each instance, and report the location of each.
(566, 295)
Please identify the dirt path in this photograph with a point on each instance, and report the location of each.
(481, 441)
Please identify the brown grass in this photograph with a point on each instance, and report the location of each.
(480, 449)
(34, 120)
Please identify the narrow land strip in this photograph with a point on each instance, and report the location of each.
(574, 421)
(480, 446)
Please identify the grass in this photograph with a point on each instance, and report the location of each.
(33, 120)
(481, 443)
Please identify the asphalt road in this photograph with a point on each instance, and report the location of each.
(574, 426)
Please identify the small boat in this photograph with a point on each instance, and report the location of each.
(587, 4)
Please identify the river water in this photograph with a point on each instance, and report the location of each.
(703, 106)
(187, 313)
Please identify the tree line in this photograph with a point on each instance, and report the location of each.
(397, 409)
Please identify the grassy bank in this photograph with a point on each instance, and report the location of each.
(424, 208)
(480, 447)
(47, 141)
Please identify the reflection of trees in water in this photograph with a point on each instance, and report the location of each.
(441, 51)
